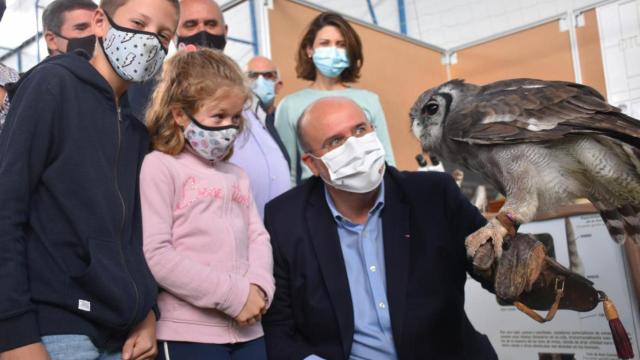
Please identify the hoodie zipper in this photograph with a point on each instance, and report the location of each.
(124, 212)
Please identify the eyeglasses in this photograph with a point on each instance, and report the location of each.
(267, 75)
(336, 141)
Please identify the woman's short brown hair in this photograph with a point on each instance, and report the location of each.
(188, 81)
(305, 69)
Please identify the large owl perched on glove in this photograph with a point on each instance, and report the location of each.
(542, 144)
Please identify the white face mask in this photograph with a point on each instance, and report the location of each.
(357, 165)
(134, 55)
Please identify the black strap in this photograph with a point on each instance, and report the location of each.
(298, 166)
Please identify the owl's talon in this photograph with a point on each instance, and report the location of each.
(493, 231)
(506, 242)
(498, 242)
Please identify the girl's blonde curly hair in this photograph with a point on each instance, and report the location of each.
(188, 80)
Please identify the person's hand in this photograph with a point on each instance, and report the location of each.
(516, 270)
(35, 351)
(141, 343)
(3, 93)
(458, 176)
(266, 300)
(187, 47)
(254, 307)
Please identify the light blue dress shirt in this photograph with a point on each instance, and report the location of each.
(363, 252)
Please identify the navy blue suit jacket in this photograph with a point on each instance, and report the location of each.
(425, 220)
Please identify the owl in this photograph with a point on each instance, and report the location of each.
(542, 144)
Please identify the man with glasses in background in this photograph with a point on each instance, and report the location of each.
(266, 84)
(259, 150)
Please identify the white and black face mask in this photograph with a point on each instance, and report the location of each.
(133, 54)
(210, 142)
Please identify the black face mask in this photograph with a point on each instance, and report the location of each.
(3, 7)
(86, 44)
(204, 39)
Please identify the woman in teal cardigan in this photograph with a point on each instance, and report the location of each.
(329, 55)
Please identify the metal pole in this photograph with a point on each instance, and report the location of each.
(37, 31)
(231, 4)
(254, 29)
(372, 12)
(575, 52)
(19, 58)
(373, 27)
(402, 17)
(263, 23)
(241, 41)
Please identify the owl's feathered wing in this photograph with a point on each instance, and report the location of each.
(528, 110)
(534, 111)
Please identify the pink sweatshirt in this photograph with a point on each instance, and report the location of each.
(205, 243)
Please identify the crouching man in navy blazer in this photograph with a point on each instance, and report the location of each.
(370, 262)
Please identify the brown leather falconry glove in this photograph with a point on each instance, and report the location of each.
(525, 277)
(517, 269)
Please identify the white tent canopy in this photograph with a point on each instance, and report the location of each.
(19, 25)
(447, 24)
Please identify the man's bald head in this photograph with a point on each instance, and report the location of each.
(261, 64)
(200, 15)
(326, 119)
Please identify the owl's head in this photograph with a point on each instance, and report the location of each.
(429, 113)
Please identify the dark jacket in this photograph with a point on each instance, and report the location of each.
(139, 95)
(425, 220)
(71, 258)
(271, 127)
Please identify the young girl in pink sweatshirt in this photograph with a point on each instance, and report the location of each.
(203, 238)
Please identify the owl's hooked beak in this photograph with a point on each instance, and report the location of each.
(418, 131)
(416, 128)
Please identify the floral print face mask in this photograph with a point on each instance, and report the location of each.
(210, 142)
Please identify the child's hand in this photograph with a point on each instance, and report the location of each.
(141, 343)
(253, 308)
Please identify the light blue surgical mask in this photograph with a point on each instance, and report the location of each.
(265, 90)
(330, 61)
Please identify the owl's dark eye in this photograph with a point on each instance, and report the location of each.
(430, 108)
